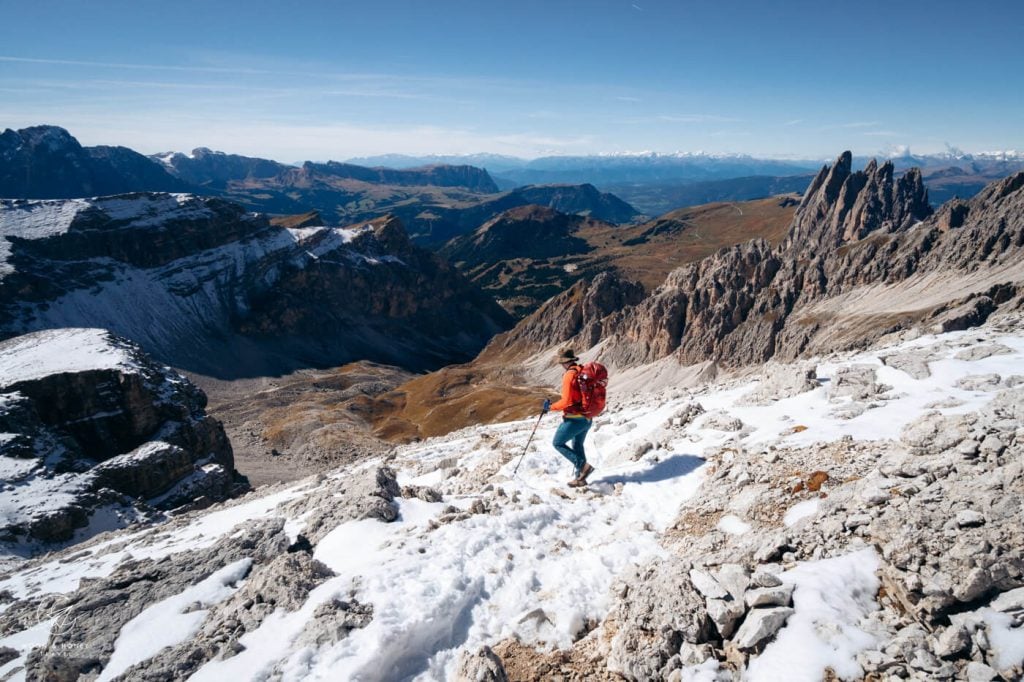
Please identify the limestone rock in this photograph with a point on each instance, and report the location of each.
(662, 611)
(707, 585)
(483, 665)
(725, 614)
(761, 625)
(769, 596)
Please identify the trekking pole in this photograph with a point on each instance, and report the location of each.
(528, 444)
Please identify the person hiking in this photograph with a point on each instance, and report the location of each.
(575, 425)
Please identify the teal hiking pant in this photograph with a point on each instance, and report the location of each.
(572, 431)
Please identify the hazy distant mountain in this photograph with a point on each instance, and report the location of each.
(655, 198)
(46, 162)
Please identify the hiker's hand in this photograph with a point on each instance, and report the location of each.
(546, 407)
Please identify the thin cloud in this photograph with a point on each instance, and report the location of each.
(696, 118)
(882, 133)
(795, 121)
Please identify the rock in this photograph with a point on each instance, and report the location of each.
(662, 610)
(725, 614)
(914, 363)
(780, 381)
(707, 585)
(721, 421)
(992, 444)
(640, 449)
(483, 665)
(979, 672)
(970, 518)
(781, 595)
(952, 641)
(735, 578)
(975, 584)
(856, 521)
(856, 382)
(968, 448)
(933, 433)
(981, 352)
(424, 493)
(979, 382)
(333, 621)
(765, 578)
(695, 654)
(760, 625)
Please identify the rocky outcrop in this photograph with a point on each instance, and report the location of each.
(205, 286)
(91, 423)
(577, 313)
(863, 258)
(46, 162)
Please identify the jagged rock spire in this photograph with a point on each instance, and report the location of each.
(841, 206)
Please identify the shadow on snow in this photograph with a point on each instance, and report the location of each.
(675, 466)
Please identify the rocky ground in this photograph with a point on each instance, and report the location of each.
(853, 517)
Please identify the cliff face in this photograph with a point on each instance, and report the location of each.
(864, 256)
(205, 286)
(91, 424)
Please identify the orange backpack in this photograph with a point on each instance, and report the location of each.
(592, 380)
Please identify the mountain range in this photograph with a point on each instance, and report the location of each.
(434, 202)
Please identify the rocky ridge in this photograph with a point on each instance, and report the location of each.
(864, 257)
(208, 287)
(46, 162)
(96, 435)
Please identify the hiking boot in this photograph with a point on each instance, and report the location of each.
(576, 483)
(584, 473)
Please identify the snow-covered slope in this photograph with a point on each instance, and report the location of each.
(859, 513)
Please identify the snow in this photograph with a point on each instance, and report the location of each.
(733, 525)
(24, 642)
(34, 356)
(800, 511)
(172, 620)
(830, 597)
(1007, 641)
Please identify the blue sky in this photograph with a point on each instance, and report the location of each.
(341, 79)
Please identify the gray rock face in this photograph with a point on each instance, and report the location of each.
(97, 424)
(662, 611)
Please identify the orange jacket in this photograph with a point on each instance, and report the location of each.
(572, 399)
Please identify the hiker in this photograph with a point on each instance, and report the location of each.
(575, 425)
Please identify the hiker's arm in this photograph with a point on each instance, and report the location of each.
(566, 400)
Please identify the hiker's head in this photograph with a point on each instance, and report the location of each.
(567, 357)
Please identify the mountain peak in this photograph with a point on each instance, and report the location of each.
(842, 205)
